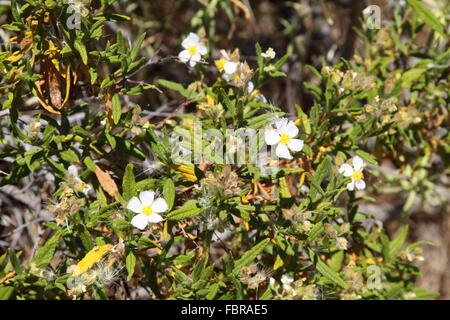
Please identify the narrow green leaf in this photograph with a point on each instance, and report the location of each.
(44, 255)
(117, 108)
(130, 264)
(427, 16)
(250, 255)
(169, 193)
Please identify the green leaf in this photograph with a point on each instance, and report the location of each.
(6, 292)
(89, 164)
(130, 264)
(117, 108)
(326, 271)
(15, 11)
(396, 244)
(213, 289)
(128, 183)
(178, 87)
(427, 16)
(410, 76)
(70, 156)
(250, 255)
(137, 46)
(189, 210)
(44, 255)
(367, 156)
(169, 193)
(81, 48)
(14, 261)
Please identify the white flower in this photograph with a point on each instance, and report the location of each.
(341, 243)
(79, 185)
(256, 93)
(286, 280)
(355, 172)
(225, 63)
(284, 136)
(269, 54)
(193, 50)
(233, 75)
(147, 208)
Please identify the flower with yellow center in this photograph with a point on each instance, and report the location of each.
(220, 63)
(255, 92)
(147, 209)
(284, 138)
(355, 172)
(78, 184)
(193, 50)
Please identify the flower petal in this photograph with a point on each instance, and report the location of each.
(196, 57)
(272, 137)
(282, 151)
(73, 170)
(295, 145)
(140, 221)
(360, 184)
(281, 125)
(351, 186)
(184, 56)
(346, 169)
(159, 205)
(155, 218)
(250, 87)
(291, 129)
(147, 197)
(191, 40)
(357, 163)
(202, 49)
(135, 205)
(230, 67)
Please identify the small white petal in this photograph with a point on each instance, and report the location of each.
(159, 205)
(272, 137)
(192, 63)
(202, 49)
(147, 197)
(250, 87)
(351, 186)
(230, 67)
(73, 170)
(135, 205)
(295, 145)
(196, 57)
(155, 218)
(140, 221)
(346, 169)
(282, 151)
(281, 125)
(357, 163)
(360, 185)
(191, 40)
(291, 129)
(184, 56)
(193, 36)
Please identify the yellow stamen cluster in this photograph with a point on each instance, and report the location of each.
(285, 138)
(192, 50)
(147, 210)
(220, 64)
(357, 175)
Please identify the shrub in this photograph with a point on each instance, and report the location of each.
(191, 206)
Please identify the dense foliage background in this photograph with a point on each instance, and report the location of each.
(86, 120)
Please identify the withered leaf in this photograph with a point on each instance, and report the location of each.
(107, 183)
